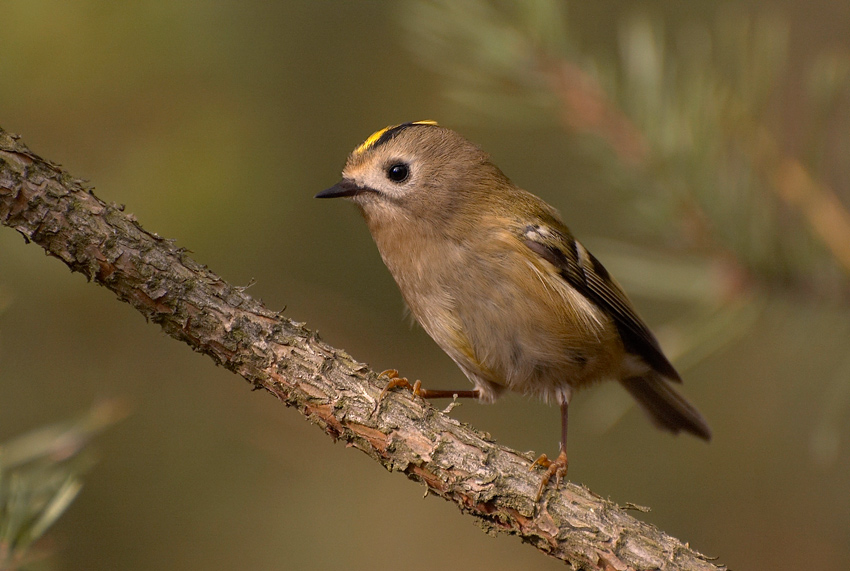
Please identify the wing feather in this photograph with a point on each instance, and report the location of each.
(578, 267)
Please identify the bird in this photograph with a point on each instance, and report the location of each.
(497, 280)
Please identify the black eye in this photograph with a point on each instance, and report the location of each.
(398, 172)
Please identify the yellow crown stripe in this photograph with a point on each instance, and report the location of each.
(373, 138)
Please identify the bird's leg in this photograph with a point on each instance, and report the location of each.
(558, 467)
(416, 388)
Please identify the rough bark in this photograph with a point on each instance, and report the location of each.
(404, 434)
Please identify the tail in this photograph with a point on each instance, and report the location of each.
(667, 409)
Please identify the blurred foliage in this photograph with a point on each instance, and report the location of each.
(40, 476)
(690, 116)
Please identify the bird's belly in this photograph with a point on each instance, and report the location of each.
(545, 357)
(504, 320)
(540, 349)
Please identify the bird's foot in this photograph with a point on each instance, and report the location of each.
(557, 468)
(416, 388)
(396, 381)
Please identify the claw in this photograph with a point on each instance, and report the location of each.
(396, 381)
(388, 374)
(557, 468)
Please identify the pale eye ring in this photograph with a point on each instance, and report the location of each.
(398, 172)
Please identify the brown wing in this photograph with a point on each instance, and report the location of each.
(554, 243)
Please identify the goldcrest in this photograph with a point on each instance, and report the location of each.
(498, 281)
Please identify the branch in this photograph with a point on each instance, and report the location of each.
(404, 434)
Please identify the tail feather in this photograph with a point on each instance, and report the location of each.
(666, 408)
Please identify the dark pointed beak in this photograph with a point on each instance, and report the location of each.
(340, 189)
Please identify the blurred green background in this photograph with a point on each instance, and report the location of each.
(676, 139)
